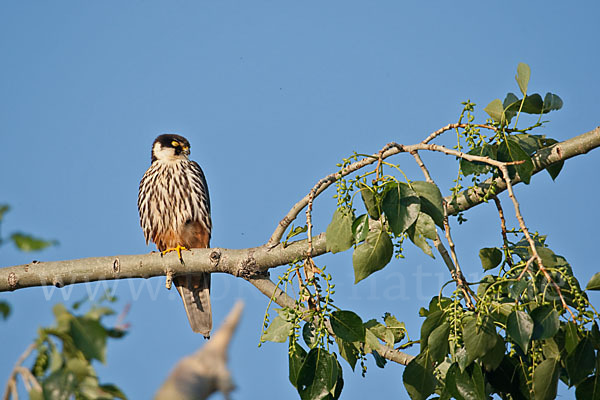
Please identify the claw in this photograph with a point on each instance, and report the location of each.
(177, 249)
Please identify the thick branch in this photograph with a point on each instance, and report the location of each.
(252, 261)
(545, 157)
(243, 263)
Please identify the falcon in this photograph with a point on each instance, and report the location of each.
(174, 212)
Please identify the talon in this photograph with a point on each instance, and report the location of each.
(177, 249)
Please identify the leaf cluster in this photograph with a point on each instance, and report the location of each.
(65, 353)
(316, 373)
(526, 326)
(518, 342)
(394, 210)
(24, 241)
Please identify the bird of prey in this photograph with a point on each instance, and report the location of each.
(174, 212)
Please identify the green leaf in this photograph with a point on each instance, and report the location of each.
(309, 334)
(431, 201)
(379, 361)
(550, 348)
(26, 242)
(529, 143)
(511, 105)
(495, 110)
(533, 104)
(423, 228)
(509, 150)
(347, 326)
(395, 327)
(96, 313)
(433, 320)
(519, 327)
(372, 255)
(581, 362)
(548, 257)
(552, 102)
(545, 379)
(297, 355)
(376, 328)
(571, 336)
(4, 309)
(438, 342)
(522, 77)
(360, 228)
(339, 232)
(594, 283)
(516, 290)
(401, 206)
(4, 208)
(595, 336)
(81, 368)
(468, 387)
(473, 167)
(278, 331)
(545, 320)
(348, 351)
(479, 340)
(369, 196)
(507, 378)
(554, 169)
(490, 257)
(371, 341)
(589, 389)
(418, 377)
(113, 391)
(494, 357)
(59, 385)
(296, 231)
(90, 337)
(336, 392)
(318, 375)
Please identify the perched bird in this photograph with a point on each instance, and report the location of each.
(174, 212)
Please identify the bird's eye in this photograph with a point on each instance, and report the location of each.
(175, 143)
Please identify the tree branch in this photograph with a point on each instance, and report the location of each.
(543, 158)
(204, 372)
(255, 261)
(243, 263)
(253, 264)
(269, 289)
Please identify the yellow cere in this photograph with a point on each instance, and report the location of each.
(175, 143)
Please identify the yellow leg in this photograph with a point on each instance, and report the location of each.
(177, 249)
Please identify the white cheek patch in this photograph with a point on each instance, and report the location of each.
(163, 153)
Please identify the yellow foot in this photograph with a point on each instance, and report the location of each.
(177, 249)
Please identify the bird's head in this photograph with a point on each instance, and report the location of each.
(170, 147)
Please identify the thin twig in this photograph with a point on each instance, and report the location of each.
(28, 379)
(267, 287)
(503, 229)
(451, 263)
(309, 271)
(534, 252)
(544, 157)
(455, 126)
(11, 385)
(421, 165)
(459, 275)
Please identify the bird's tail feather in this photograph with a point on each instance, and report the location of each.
(195, 293)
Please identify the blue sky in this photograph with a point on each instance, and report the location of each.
(271, 96)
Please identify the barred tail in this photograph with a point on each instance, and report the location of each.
(195, 293)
